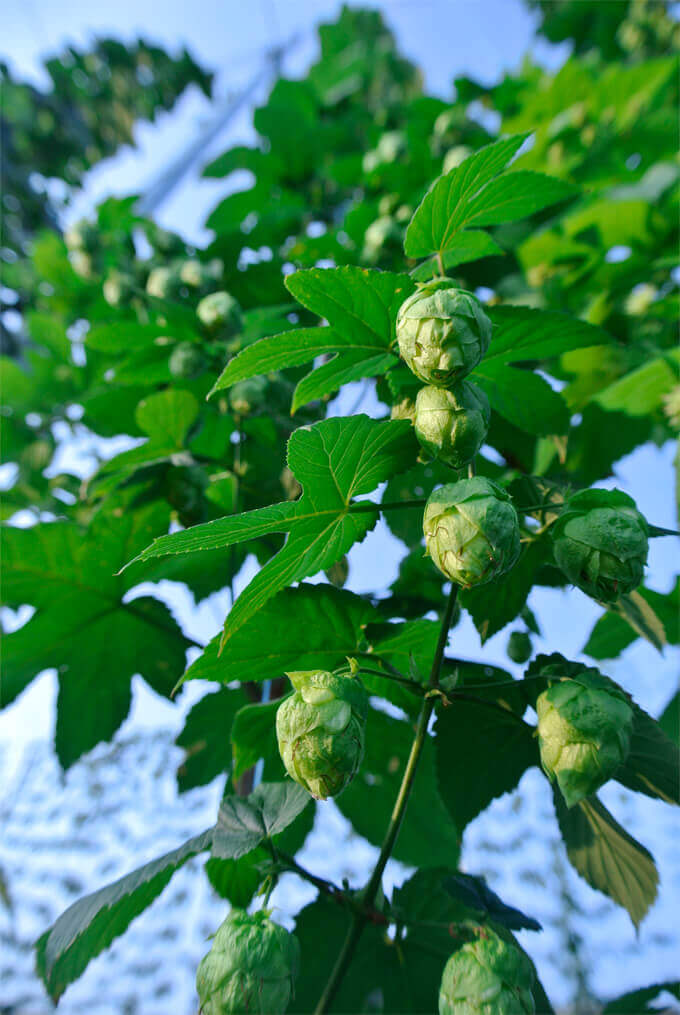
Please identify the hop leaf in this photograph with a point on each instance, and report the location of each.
(600, 541)
(452, 424)
(251, 967)
(471, 531)
(320, 730)
(487, 976)
(584, 727)
(443, 333)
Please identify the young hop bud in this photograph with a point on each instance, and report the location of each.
(471, 531)
(251, 967)
(451, 424)
(584, 728)
(186, 360)
(246, 396)
(600, 542)
(118, 288)
(320, 729)
(220, 312)
(163, 283)
(519, 647)
(487, 976)
(443, 333)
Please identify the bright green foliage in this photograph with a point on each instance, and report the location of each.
(251, 967)
(487, 976)
(584, 730)
(320, 730)
(600, 541)
(386, 237)
(443, 333)
(451, 424)
(471, 531)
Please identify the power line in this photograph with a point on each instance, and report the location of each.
(173, 174)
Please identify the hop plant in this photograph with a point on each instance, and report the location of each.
(487, 976)
(443, 333)
(220, 312)
(471, 531)
(600, 542)
(251, 967)
(584, 727)
(451, 424)
(320, 730)
(164, 283)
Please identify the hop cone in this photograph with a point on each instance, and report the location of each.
(487, 976)
(584, 727)
(442, 332)
(220, 312)
(320, 729)
(600, 542)
(471, 531)
(452, 424)
(250, 968)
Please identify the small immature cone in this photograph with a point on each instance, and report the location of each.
(320, 730)
(487, 976)
(251, 967)
(600, 542)
(451, 424)
(220, 313)
(584, 729)
(443, 332)
(471, 531)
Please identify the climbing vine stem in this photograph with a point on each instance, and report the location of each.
(359, 920)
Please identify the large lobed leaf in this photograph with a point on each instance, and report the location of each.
(334, 460)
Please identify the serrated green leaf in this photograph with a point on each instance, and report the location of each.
(444, 209)
(516, 195)
(244, 822)
(524, 398)
(237, 880)
(640, 391)
(301, 628)
(167, 416)
(510, 750)
(614, 631)
(205, 738)
(491, 613)
(253, 735)
(653, 763)
(82, 625)
(361, 307)
(606, 856)
(91, 924)
(334, 460)
(522, 333)
(369, 799)
(469, 245)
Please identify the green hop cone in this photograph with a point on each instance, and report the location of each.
(186, 360)
(451, 424)
(164, 283)
(487, 976)
(220, 312)
(519, 646)
(320, 730)
(600, 542)
(251, 967)
(584, 728)
(247, 396)
(443, 333)
(471, 531)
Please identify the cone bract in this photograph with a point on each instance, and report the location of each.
(251, 967)
(600, 542)
(584, 728)
(471, 531)
(442, 332)
(320, 730)
(451, 424)
(487, 976)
